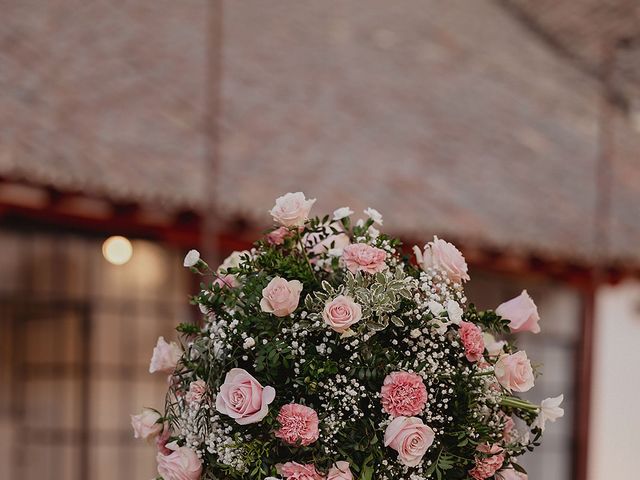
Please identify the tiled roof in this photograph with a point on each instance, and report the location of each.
(449, 117)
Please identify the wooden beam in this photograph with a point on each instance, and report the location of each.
(583, 375)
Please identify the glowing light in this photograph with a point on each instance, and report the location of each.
(117, 250)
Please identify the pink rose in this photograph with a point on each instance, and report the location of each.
(298, 424)
(243, 398)
(162, 439)
(511, 474)
(297, 471)
(341, 312)
(365, 258)
(514, 372)
(225, 279)
(281, 297)
(521, 312)
(335, 244)
(472, 340)
(181, 464)
(509, 431)
(165, 357)
(292, 209)
(340, 471)
(410, 438)
(487, 466)
(147, 424)
(278, 236)
(443, 256)
(403, 394)
(196, 391)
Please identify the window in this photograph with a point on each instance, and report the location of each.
(76, 335)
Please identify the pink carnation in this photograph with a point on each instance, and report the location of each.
(196, 391)
(298, 424)
(487, 466)
(297, 471)
(403, 394)
(365, 258)
(472, 340)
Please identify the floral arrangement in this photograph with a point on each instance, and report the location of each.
(327, 353)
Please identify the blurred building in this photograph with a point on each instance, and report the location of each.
(510, 127)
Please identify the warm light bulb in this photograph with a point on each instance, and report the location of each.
(117, 250)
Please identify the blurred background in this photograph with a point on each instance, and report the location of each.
(510, 127)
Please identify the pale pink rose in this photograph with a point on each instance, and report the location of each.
(165, 357)
(146, 424)
(410, 438)
(522, 312)
(278, 236)
(341, 312)
(292, 209)
(403, 394)
(340, 471)
(196, 391)
(243, 398)
(297, 471)
(511, 474)
(281, 297)
(514, 372)
(472, 340)
(181, 464)
(364, 258)
(298, 425)
(487, 466)
(443, 256)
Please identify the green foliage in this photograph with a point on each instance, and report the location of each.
(381, 343)
(489, 320)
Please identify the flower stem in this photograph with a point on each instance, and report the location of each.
(519, 403)
(484, 374)
(306, 256)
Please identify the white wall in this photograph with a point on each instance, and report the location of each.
(615, 417)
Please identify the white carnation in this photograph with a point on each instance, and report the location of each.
(341, 213)
(374, 215)
(191, 258)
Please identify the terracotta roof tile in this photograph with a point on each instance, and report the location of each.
(449, 117)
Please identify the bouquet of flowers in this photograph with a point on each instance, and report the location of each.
(327, 352)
